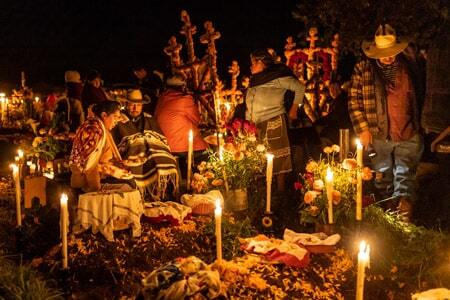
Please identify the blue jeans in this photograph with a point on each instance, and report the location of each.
(396, 164)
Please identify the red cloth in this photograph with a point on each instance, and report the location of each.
(400, 107)
(176, 113)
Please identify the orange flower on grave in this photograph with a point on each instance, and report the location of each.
(310, 196)
(318, 185)
(328, 150)
(335, 148)
(217, 182)
(349, 164)
(209, 175)
(367, 174)
(336, 197)
(238, 155)
(229, 147)
(311, 166)
(314, 211)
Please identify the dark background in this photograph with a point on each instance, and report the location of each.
(46, 37)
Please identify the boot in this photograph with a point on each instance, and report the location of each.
(405, 209)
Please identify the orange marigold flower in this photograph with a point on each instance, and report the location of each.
(367, 174)
(349, 164)
(309, 197)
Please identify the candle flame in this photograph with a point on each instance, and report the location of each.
(329, 175)
(218, 210)
(364, 251)
(269, 156)
(64, 199)
(358, 143)
(191, 135)
(14, 168)
(20, 153)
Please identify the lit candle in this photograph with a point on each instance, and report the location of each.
(16, 158)
(15, 172)
(32, 169)
(20, 154)
(64, 224)
(363, 262)
(189, 162)
(269, 172)
(359, 160)
(218, 218)
(329, 180)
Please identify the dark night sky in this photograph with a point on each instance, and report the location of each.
(46, 37)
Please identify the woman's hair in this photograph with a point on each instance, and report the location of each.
(264, 56)
(107, 107)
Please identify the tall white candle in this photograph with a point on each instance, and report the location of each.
(20, 154)
(189, 162)
(269, 172)
(64, 224)
(15, 172)
(359, 160)
(363, 262)
(218, 218)
(329, 180)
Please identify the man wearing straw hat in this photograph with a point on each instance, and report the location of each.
(145, 149)
(384, 99)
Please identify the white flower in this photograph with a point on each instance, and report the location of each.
(318, 185)
(260, 148)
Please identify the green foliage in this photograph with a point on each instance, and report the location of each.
(21, 282)
(232, 231)
(418, 253)
(47, 147)
(356, 20)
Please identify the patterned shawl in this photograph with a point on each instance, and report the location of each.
(89, 139)
(149, 159)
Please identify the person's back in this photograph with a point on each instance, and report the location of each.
(177, 113)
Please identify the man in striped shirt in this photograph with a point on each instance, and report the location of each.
(384, 108)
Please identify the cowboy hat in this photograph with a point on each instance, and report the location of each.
(72, 76)
(176, 80)
(135, 96)
(385, 44)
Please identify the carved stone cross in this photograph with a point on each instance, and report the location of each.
(312, 37)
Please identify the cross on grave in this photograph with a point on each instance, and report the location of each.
(289, 48)
(234, 70)
(188, 30)
(209, 38)
(173, 51)
(312, 37)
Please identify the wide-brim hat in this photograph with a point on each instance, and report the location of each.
(385, 44)
(135, 96)
(72, 76)
(176, 80)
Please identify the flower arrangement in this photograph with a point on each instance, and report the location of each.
(241, 159)
(311, 184)
(47, 147)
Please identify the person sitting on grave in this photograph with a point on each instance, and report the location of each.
(94, 158)
(145, 149)
(176, 114)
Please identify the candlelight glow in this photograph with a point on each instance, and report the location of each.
(191, 135)
(14, 168)
(64, 199)
(20, 153)
(218, 210)
(358, 143)
(269, 156)
(329, 175)
(364, 251)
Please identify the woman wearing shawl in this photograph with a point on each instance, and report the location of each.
(265, 100)
(94, 152)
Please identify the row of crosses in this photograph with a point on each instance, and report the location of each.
(201, 74)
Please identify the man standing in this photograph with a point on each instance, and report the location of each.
(151, 85)
(384, 108)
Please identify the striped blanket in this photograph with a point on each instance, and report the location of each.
(147, 155)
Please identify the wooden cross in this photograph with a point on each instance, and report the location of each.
(234, 70)
(188, 30)
(312, 37)
(209, 38)
(289, 48)
(173, 51)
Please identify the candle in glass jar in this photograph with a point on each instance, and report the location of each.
(359, 160)
(329, 180)
(64, 214)
(363, 262)
(218, 218)
(269, 172)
